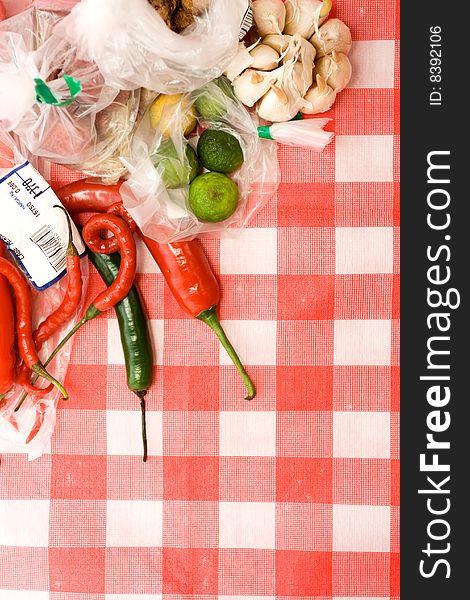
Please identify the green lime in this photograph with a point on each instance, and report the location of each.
(213, 197)
(220, 151)
(211, 103)
(175, 172)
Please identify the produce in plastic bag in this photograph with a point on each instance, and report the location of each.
(29, 429)
(49, 98)
(133, 46)
(164, 172)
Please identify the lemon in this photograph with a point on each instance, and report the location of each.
(213, 197)
(164, 114)
(220, 151)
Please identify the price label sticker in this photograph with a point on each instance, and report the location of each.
(32, 226)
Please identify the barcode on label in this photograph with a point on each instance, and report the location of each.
(247, 23)
(50, 244)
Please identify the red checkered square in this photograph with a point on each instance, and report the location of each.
(364, 481)
(246, 572)
(232, 391)
(364, 204)
(361, 388)
(305, 297)
(306, 251)
(24, 568)
(202, 350)
(304, 480)
(189, 571)
(77, 524)
(305, 526)
(354, 116)
(375, 21)
(306, 165)
(304, 433)
(190, 524)
(249, 297)
(247, 479)
(311, 205)
(79, 432)
(304, 388)
(143, 481)
(21, 479)
(305, 343)
(395, 529)
(76, 477)
(87, 393)
(300, 573)
(395, 482)
(74, 596)
(133, 571)
(395, 575)
(394, 435)
(361, 574)
(79, 570)
(151, 287)
(190, 478)
(190, 433)
(197, 389)
(366, 296)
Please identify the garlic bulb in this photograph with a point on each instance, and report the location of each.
(335, 69)
(284, 100)
(302, 16)
(320, 96)
(264, 58)
(269, 16)
(251, 85)
(333, 35)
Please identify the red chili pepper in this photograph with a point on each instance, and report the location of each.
(24, 328)
(183, 264)
(56, 319)
(7, 336)
(124, 281)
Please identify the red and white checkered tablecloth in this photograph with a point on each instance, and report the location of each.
(292, 496)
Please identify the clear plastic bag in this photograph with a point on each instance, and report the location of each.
(163, 213)
(49, 97)
(133, 47)
(30, 428)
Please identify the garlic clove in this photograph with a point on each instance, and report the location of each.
(320, 96)
(302, 16)
(264, 57)
(269, 16)
(241, 61)
(335, 68)
(333, 35)
(251, 85)
(280, 43)
(273, 107)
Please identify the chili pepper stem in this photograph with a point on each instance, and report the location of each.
(39, 369)
(141, 394)
(210, 318)
(90, 314)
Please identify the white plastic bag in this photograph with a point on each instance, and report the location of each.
(49, 98)
(133, 47)
(163, 214)
(30, 428)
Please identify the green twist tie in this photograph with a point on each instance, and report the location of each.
(265, 133)
(45, 95)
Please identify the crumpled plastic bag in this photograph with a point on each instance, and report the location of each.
(49, 98)
(163, 214)
(30, 428)
(133, 47)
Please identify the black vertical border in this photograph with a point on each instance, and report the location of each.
(424, 129)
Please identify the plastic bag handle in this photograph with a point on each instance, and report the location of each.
(44, 93)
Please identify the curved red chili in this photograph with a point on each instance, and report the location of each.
(24, 328)
(61, 315)
(7, 336)
(124, 281)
